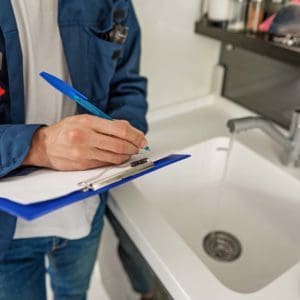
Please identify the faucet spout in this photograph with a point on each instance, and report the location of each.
(248, 123)
(290, 143)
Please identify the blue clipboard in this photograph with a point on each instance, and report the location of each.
(33, 211)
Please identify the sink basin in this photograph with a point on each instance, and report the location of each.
(255, 201)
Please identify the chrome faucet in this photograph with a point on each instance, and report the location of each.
(290, 142)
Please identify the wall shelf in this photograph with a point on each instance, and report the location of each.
(259, 43)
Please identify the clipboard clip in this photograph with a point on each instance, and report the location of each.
(99, 181)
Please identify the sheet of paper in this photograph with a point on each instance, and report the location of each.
(44, 184)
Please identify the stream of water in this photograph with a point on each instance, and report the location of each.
(221, 187)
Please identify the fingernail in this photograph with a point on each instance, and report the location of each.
(144, 143)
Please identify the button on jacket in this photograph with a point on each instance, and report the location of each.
(106, 72)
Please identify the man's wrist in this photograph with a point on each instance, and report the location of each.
(37, 154)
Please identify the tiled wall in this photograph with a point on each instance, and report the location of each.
(177, 62)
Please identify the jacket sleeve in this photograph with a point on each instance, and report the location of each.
(128, 89)
(15, 142)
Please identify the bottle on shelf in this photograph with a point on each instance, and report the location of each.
(238, 16)
(256, 14)
(219, 13)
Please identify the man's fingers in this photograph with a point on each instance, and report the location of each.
(109, 157)
(117, 128)
(127, 132)
(111, 144)
(81, 153)
(64, 164)
(98, 140)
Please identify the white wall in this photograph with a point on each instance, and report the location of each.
(179, 66)
(177, 61)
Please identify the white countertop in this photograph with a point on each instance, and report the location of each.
(177, 266)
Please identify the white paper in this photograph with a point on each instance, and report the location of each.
(43, 185)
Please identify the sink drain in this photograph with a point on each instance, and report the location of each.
(222, 246)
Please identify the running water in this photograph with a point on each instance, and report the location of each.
(221, 187)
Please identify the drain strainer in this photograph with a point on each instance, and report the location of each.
(222, 246)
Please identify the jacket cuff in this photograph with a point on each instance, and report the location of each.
(15, 143)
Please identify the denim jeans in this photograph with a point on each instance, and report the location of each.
(23, 270)
(71, 262)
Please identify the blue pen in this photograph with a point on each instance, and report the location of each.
(73, 94)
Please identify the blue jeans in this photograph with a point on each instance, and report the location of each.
(23, 270)
(71, 262)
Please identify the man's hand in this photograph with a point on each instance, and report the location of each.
(84, 142)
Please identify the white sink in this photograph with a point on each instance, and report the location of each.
(258, 203)
(168, 213)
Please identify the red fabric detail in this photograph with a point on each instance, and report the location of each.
(2, 91)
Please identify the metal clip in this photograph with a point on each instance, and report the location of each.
(98, 181)
(118, 34)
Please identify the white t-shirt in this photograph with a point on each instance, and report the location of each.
(43, 51)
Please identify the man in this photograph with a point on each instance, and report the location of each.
(40, 128)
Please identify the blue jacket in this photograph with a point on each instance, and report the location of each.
(107, 73)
